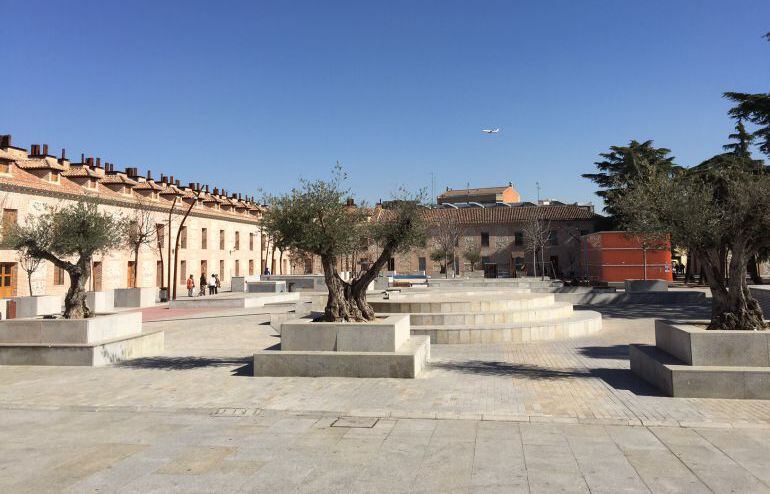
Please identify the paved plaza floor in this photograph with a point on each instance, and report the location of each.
(562, 416)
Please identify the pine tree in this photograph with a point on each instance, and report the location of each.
(625, 166)
(743, 142)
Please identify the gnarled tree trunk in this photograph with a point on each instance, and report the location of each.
(75, 306)
(733, 307)
(340, 303)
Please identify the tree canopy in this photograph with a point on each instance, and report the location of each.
(320, 217)
(623, 167)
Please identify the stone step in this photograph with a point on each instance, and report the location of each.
(447, 304)
(674, 378)
(554, 311)
(579, 323)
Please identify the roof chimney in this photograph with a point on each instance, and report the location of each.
(5, 140)
(163, 179)
(149, 174)
(63, 154)
(177, 183)
(98, 162)
(45, 149)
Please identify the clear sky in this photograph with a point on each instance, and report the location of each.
(254, 94)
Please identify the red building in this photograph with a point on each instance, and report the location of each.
(618, 256)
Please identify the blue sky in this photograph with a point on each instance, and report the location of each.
(254, 94)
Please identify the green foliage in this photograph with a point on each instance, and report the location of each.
(741, 146)
(316, 218)
(78, 229)
(754, 108)
(439, 255)
(624, 167)
(707, 207)
(472, 253)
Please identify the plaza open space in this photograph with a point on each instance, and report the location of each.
(551, 416)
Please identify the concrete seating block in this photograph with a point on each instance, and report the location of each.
(101, 302)
(37, 306)
(272, 286)
(238, 283)
(407, 362)
(74, 331)
(695, 345)
(135, 297)
(634, 286)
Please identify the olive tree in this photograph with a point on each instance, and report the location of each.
(318, 218)
(472, 253)
(69, 236)
(720, 211)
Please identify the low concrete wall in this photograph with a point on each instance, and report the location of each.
(135, 297)
(41, 305)
(71, 331)
(238, 283)
(244, 301)
(299, 283)
(618, 298)
(101, 302)
(386, 334)
(643, 286)
(272, 286)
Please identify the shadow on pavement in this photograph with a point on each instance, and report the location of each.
(182, 363)
(636, 311)
(620, 379)
(616, 352)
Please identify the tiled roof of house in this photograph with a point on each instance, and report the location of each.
(473, 191)
(477, 216)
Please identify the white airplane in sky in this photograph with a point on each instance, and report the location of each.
(490, 131)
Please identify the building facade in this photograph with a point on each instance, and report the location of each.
(221, 235)
(500, 233)
(614, 257)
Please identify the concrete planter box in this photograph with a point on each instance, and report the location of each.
(695, 345)
(382, 348)
(386, 334)
(641, 286)
(42, 305)
(96, 341)
(266, 286)
(82, 331)
(101, 302)
(690, 361)
(135, 297)
(299, 283)
(238, 283)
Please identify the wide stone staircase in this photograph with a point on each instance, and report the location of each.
(492, 315)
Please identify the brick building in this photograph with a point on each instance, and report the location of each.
(499, 232)
(221, 235)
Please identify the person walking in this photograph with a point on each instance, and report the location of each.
(218, 284)
(213, 285)
(202, 283)
(190, 286)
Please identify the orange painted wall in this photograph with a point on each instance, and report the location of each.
(618, 256)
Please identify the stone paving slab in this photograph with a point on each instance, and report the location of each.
(48, 451)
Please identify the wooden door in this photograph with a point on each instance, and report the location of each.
(130, 275)
(97, 274)
(7, 279)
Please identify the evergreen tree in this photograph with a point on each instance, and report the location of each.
(743, 142)
(625, 166)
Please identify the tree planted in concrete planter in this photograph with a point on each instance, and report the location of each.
(319, 218)
(720, 212)
(472, 253)
(69, 237)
